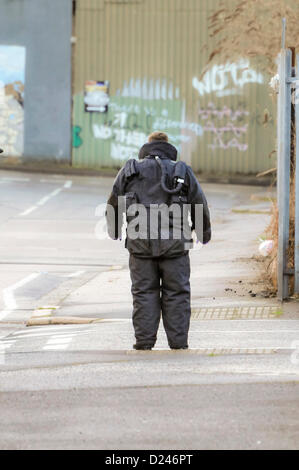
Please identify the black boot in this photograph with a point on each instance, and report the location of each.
(142, 347)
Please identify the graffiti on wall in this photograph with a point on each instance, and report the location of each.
(159, 89)
(130, 125)
(227, 126)
(227, 79)
(141, 106)
(77, 140)
(137, 109)
(130, 121)
(12, 78)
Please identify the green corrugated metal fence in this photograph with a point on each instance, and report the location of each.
(150, 52)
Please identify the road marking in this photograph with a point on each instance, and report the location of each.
(68, 184)
(50, 181)
(4, 346)
(60, 340)
(75, 274)
(40, 335)
(28, 211)
(56, 343)
(52, 328)
(8, 295)
(12, 179)
(57, 340)
(45, 199)
(55, 348)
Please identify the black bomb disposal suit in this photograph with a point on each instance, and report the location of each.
(159, 266)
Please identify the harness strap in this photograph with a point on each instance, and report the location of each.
(179, 176)
(180, 172)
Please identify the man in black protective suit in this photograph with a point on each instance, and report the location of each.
(159, 265)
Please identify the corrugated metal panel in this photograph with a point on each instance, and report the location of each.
(150, 51)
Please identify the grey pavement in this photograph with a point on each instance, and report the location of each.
(83, 386)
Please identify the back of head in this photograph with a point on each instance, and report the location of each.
(158, 136)
(158, 145)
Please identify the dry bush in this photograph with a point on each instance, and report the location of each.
(253, 29)
(271, 262)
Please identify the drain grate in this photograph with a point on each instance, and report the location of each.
(235, 313)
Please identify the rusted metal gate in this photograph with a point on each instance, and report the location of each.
(138, 67)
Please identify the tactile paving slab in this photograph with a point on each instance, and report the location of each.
(209, 351)
(236, 313)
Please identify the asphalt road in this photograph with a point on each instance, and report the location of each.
(82, 386)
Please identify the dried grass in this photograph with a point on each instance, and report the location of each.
(253, 28)
(272, 233)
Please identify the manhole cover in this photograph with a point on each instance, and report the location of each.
(234, 313)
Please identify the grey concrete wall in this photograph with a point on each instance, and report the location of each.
(44, 27)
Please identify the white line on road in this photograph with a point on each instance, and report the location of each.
(5, 345)
(68, 184)
(28, 211)
(51, 181)
(56, 347)
(53, 328)
(75, 274)
(11, 179)
(58, 343)
(49, 196)
(45, 199)
(8, 295)
(59, 340)
(48, 331)
(40, 335)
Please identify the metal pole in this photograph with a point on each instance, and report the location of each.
(283, 165)
(283, 36)
(296, 288)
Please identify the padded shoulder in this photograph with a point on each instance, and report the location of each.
(131, 168)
